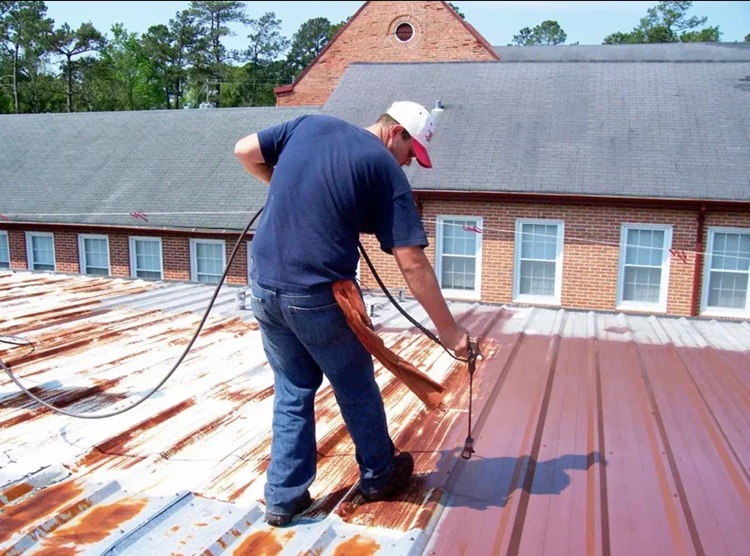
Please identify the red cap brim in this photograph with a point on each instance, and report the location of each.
(421, 153)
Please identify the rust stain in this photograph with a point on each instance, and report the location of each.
(346, 510)
(262, 543)
(175, 528)
(14, 493)
(428, 510)
(357, 546)
(19, 517)
(61, 398)
(196, 436)
(119, 444)
(97, 524)
(245, 396)
(57, 551)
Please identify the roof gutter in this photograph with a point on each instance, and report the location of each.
(421, 195)
(52, 226)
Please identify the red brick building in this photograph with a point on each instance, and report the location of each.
(387, 32)
(581, 177)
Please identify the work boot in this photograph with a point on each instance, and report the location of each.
(281, 519)
(401, 470)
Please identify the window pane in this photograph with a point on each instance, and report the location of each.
(644, 259)
(539, 241)
(537, 271)
(727, 290)
(95, 256)
(42, 253)
(4, 252)
(642, 284)
(459, 254)
(644, 247)
(209, 261)
(537, 278)
(459, 273)
(731, 252)
(147, 259)
(456, 240)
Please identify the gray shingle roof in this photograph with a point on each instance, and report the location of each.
(118, 162)
(658, 130)
(680, 52)
(613, 128)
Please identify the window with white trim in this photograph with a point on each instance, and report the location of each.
(146, 258)
(537, 272)
(643, 276)
(727, 277)
(458, 254)
(207, 260)
(40, 251)
(4, 250)
(93, 254)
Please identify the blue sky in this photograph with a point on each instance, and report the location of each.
(584, 22)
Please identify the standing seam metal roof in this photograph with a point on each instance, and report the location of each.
(596, 433)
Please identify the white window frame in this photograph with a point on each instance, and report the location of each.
(194, 260)
(32, 264)
(556, 297)
(478, 221)
(4, 239)
(721, 311)
(661, 305)
(133, 255)
(83, 264)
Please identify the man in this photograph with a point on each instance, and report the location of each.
(329, 182)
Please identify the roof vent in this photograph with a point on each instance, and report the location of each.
(438, 106)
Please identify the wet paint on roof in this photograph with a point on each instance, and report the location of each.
(595, 433)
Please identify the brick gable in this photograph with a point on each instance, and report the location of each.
(439, 35)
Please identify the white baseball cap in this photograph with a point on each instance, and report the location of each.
(420, 124)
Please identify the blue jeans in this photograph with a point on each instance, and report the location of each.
(306, 336)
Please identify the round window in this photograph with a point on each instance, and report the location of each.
(404, 32)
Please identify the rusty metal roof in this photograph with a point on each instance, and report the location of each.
(596, 433)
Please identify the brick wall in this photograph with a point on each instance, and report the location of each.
(591, 250)
(175, 252)
(439, 36)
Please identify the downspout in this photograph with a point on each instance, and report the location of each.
(698, 259)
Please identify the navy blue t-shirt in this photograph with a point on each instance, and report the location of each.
(332, 180)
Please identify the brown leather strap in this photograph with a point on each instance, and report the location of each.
(350, 300)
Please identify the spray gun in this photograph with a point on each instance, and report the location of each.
(474, 354)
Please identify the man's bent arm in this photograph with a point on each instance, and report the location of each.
(420, 277)
(247, 150)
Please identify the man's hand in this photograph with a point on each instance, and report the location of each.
(456, 339)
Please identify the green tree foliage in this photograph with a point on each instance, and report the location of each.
(253, 83)
(175, 49)
(547, 33)
(69, 44)
(180, 64)
(124, 77)
(455, 9)
(667, 22)
(213, 17)
(312, 37)
(22, 26)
